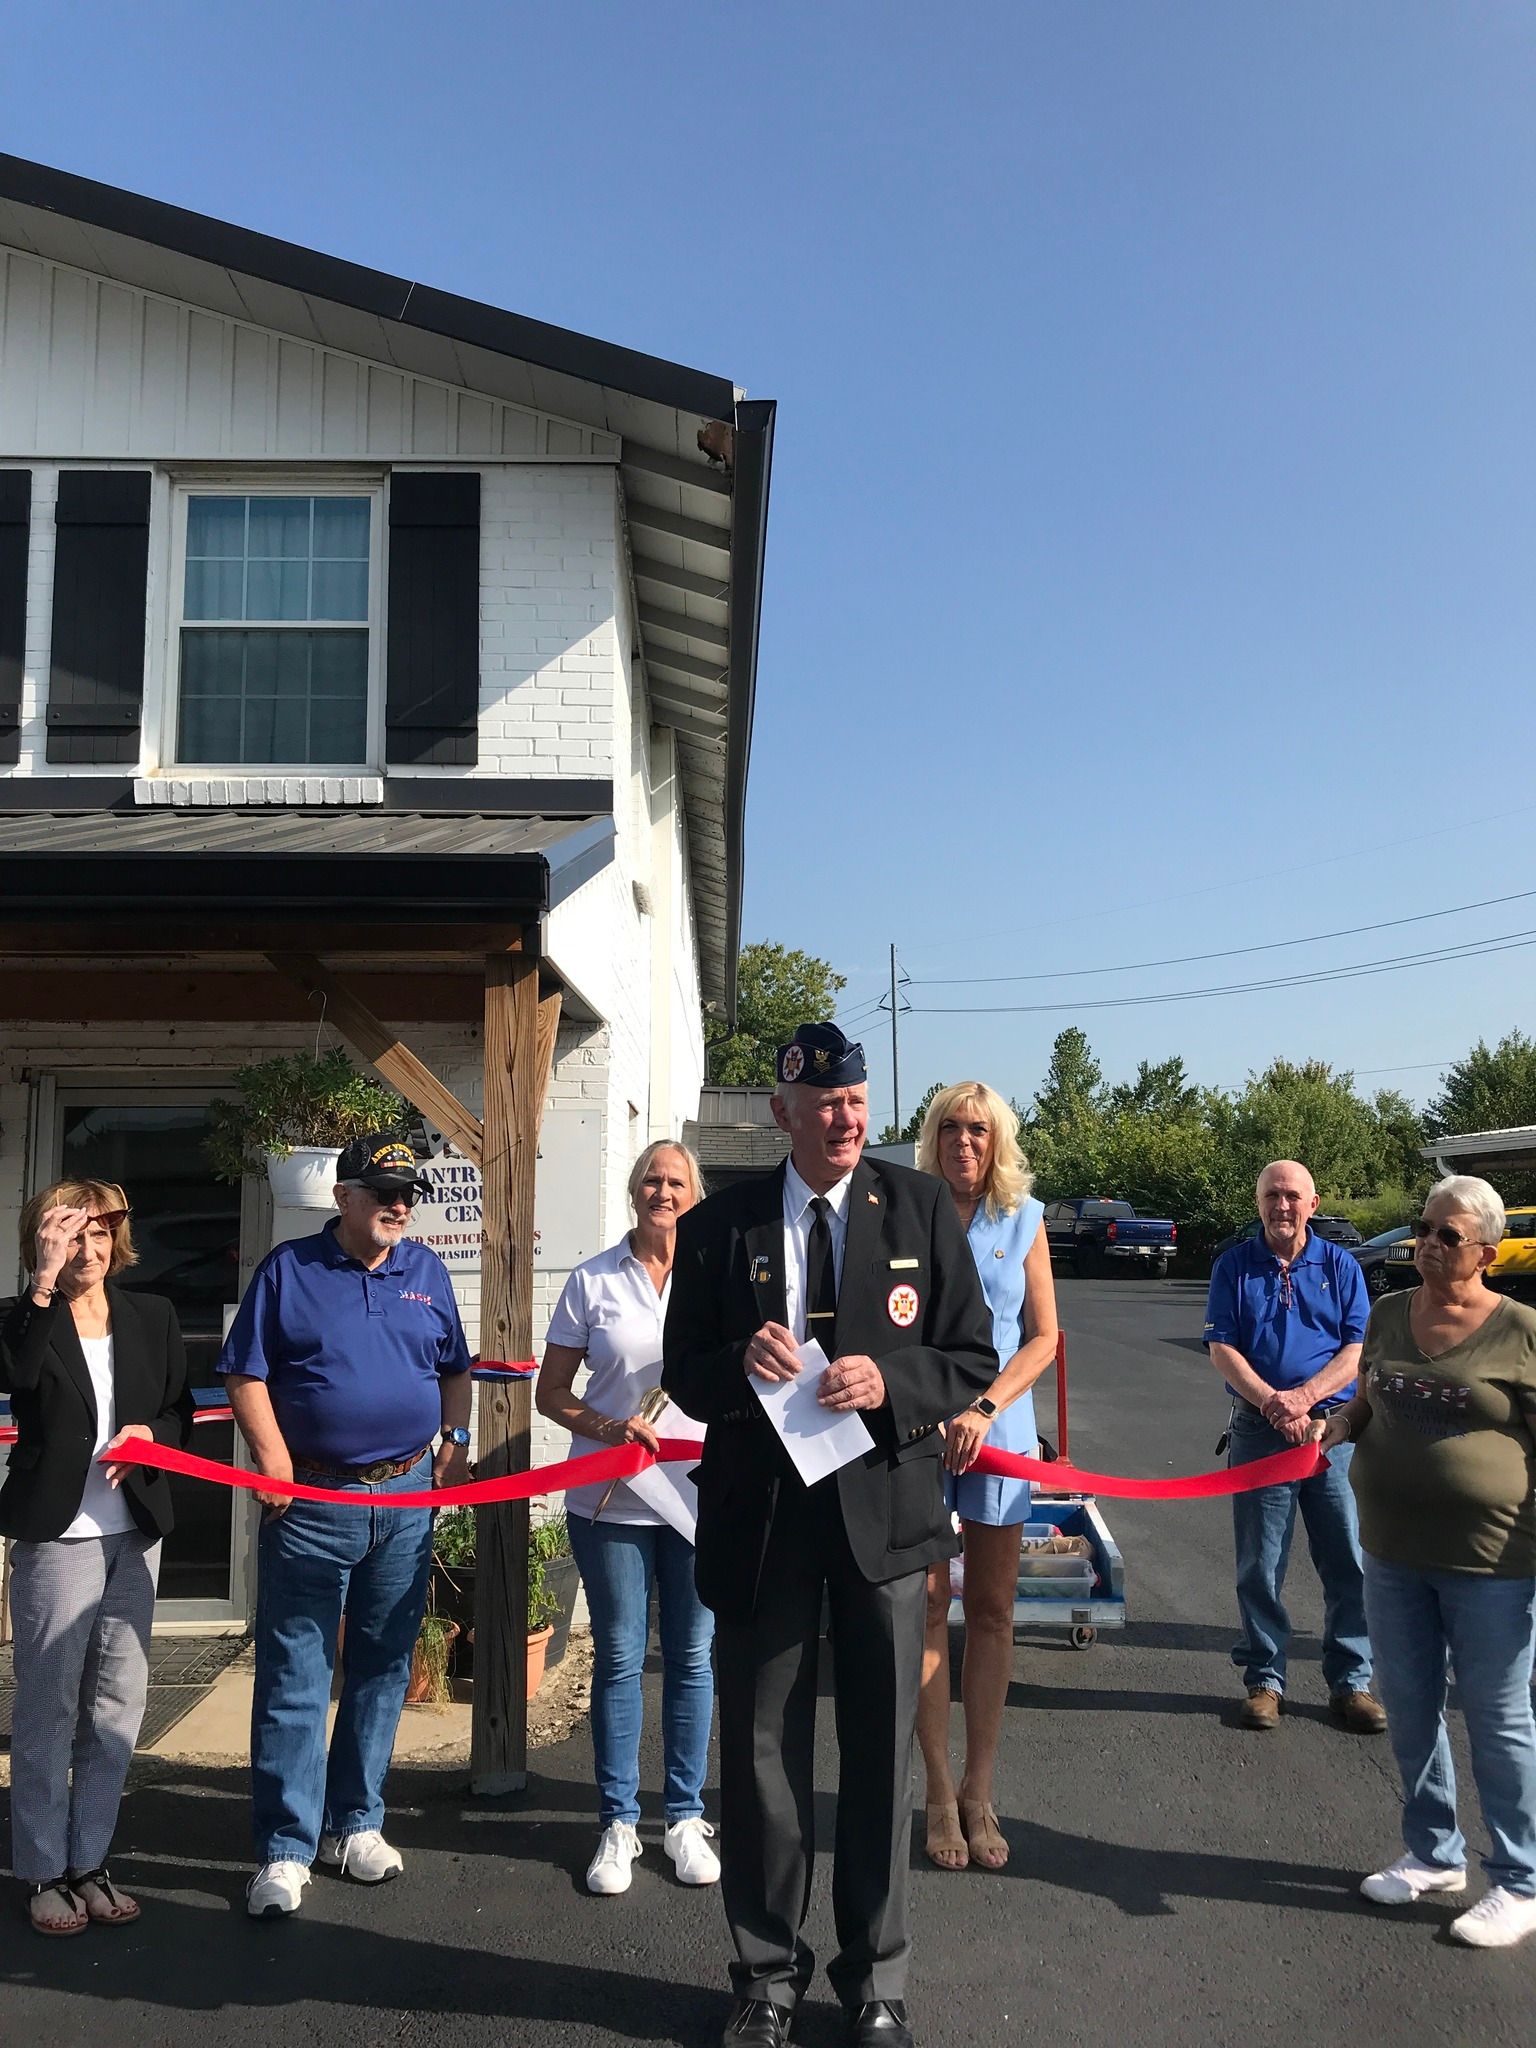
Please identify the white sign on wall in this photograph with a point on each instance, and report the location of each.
(567, 1202)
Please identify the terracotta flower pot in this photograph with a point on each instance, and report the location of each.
(418, 1688)
(538, 1644)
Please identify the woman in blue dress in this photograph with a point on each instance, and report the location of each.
(970, 1138)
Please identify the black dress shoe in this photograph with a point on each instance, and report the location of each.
(758, 2023)
(879, 2023)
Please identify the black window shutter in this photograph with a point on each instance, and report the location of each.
(100, 581)
(432, 699)
(15, 517)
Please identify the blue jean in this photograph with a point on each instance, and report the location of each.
(316, 1562)
(1486, 1627)
(1263, 1523)
(619, 1563)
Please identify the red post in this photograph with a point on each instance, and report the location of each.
(1061, 1393)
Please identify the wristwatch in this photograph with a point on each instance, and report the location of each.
(457, 1436)
(984, 1407)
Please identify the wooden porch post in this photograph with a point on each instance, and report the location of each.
(519, 1045)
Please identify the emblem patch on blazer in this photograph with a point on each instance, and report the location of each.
(901, 1305)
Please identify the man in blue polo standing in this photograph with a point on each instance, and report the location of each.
(1283, 1325)
(345, 1360)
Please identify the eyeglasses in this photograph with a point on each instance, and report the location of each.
(385, 1198)
(113, 1219)
(1443, 1234)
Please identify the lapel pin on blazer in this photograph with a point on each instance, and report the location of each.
(758, 1272)
(873, 1201)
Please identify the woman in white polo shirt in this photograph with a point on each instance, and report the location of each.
(610, 1316)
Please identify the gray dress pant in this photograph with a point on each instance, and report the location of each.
(767, 1676)
(80, 1615)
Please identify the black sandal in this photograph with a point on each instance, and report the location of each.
(66, 1892)
(114, 1898)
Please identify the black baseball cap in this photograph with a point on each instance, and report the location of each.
(384, 1163)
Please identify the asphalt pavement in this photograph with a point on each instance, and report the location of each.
(1173, 1878)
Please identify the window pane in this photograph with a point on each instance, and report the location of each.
(277, 590)
(338, 731)
(340, 591)
(216, 526)
(211, 664)
(280, 696)
(210, 729)
(280, 528)
(341, 529)
(215, 590)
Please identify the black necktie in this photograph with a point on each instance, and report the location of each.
(821, 1281)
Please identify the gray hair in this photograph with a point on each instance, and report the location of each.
(647, 1159)
(1474, 1198)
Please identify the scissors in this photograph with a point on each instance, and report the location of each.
(652, 1402)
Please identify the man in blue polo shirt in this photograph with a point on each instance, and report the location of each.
(1283, 1326)
(345, 1360)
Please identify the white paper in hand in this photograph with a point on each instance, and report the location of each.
(819, 1440)
(668, 1491)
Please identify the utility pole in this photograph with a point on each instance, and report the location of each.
(895, 1059)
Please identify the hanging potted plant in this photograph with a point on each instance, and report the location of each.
(293, 1117)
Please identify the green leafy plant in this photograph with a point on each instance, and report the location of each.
(547, 1543)
(453, 1538)
(292, 1101)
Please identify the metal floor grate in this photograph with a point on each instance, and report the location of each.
(182, 1670)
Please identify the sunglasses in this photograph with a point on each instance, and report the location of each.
(1443, 1234)
(385, 1198)
(112, 1218)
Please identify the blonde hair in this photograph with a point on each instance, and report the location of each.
(1008, 1178)
(644, 1163)
(99, 1198)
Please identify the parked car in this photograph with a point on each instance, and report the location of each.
(1375, 1253)
(1514, 1270)
(1337, 1229)
(1090, 1232)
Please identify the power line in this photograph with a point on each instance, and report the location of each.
(1508, 942)
(1243, 880)
(1353, 931)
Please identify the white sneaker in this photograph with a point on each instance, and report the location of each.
(687, 1843)
(1498, 1920)
(617, 1848)
(365, 1856)
(276, 1889)
(1408, 1879)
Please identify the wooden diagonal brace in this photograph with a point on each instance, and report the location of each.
(384, 1050)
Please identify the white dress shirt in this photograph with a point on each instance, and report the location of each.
(798, 1218)
(610, 1309)
(103, 1509)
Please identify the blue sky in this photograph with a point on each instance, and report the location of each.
(1154, 518)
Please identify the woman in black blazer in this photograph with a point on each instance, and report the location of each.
(87, 1366)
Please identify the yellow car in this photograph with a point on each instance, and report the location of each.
(1516, 1261)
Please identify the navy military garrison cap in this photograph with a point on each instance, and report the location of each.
(822, 1057)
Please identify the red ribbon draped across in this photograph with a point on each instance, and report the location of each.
(1284, 1468)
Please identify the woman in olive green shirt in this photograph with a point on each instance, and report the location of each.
(1443, 1473)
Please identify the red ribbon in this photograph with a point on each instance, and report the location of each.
(1284, 1468)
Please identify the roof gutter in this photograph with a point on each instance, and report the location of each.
(749, 534)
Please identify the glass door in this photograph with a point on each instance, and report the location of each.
(186, 1230)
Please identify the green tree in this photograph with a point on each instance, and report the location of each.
(1488, 1090)
(1072, 1091)
(776, 989)
(912, 1128)
(1162, 1089)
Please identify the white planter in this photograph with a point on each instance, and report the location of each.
(304, 1179)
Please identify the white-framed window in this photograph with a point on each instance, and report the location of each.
(276, 604)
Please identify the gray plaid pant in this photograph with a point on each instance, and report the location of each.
(80, 1615)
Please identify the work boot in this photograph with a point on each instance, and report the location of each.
(1261, 1709)
(1358, 1711)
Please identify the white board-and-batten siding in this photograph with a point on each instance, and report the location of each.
(95, 369)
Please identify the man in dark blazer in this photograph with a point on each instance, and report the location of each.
(869, 1259)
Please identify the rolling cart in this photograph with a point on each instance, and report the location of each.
(1079, 1594)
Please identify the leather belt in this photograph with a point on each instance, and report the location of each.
(362, 1475)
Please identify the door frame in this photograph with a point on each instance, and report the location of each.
(52, 1094)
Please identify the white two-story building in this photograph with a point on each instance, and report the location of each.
(356, 640)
